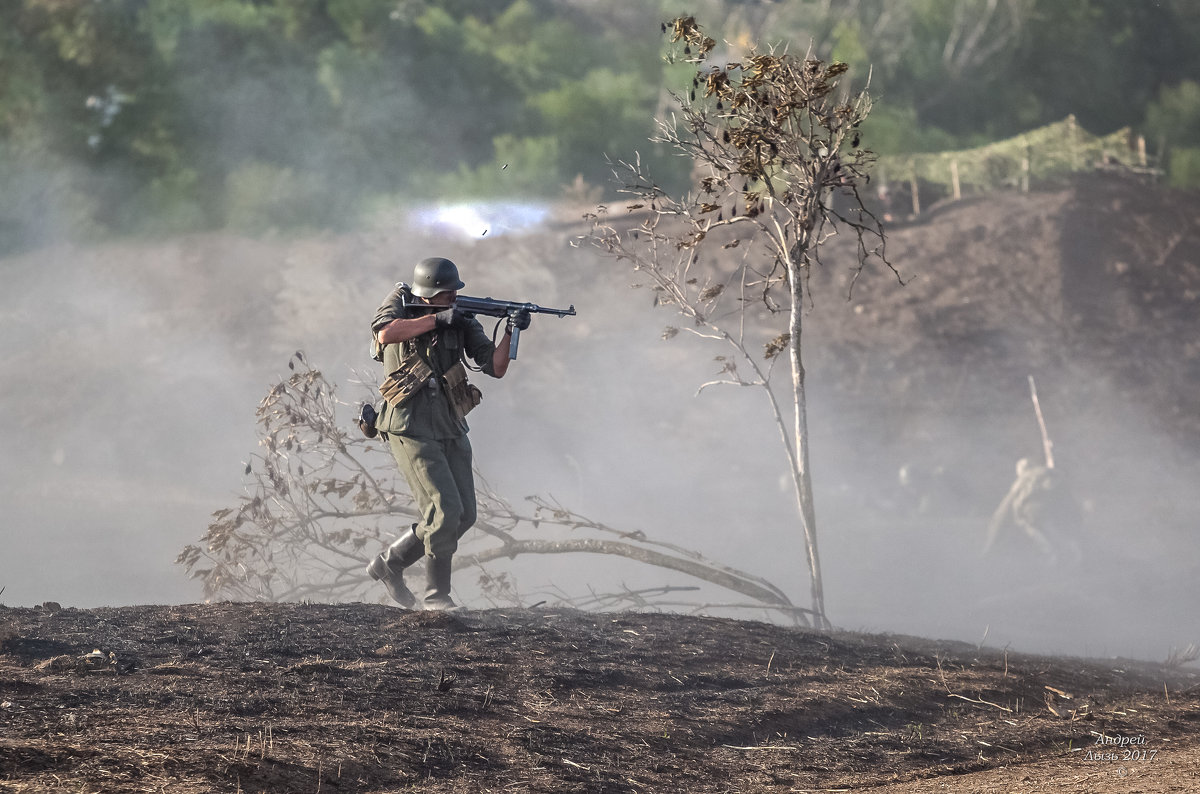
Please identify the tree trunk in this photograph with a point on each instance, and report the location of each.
(803, 477)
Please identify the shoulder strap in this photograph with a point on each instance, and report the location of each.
(393, 306)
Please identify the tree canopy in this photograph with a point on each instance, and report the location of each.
(129, 116)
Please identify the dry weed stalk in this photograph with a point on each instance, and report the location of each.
(320, 501)
(1178, 657)
(7, 632)
(953, 694)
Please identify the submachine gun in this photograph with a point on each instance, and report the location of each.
(509, 309)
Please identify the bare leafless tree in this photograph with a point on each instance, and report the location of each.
(319, 501)
(778, 165)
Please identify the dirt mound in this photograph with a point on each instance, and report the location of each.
(258, 697)
(1093, 284)
(1092, 288)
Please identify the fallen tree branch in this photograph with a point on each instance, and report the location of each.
(320, 502)
(723, 578)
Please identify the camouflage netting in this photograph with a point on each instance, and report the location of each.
(1050, 151)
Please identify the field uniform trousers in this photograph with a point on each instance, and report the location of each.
(442, 482)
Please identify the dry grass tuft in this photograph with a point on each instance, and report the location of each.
(1181, 656)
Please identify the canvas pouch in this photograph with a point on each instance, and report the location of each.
(463, 395)
(399, 387)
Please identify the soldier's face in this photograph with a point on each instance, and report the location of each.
(443, 298)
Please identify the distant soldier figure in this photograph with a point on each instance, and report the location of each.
(1038, 514)
(423, 341)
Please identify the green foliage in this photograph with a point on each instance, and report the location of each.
(262, 197)
(602, 113)
(150, 114)
(1183, 169)
(537, 52)
(172, 206)
(895, 130)
(42, 196)
(1173, 122)
(1174, 116)
(523, 167)
(1101, 60)
(848, 44)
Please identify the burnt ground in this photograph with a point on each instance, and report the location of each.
(355, 697)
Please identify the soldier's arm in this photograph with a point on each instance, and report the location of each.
(516, 323)
(491, 358)
(500, 356)
(403, 329)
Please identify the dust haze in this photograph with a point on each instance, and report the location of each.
(131, 370)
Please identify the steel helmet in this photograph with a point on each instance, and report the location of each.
(433, 275)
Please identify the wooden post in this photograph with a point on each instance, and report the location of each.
(1141, 150)
(1024, 174)
(916, 204)
(1071, 140)
(957, 191)
(1047, 444)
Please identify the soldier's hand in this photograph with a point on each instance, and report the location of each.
(449, 318)
(519, 320)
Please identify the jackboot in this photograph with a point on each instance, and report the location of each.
(388, 568)
(437, 589)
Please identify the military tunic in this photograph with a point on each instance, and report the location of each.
(429, 443)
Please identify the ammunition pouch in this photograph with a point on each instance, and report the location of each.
(399, 387)
(463, 396)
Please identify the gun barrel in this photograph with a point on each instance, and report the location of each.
(495, 308)
(498, 308)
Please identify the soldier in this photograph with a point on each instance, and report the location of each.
(424, 342)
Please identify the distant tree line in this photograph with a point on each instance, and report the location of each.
(150, 116)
